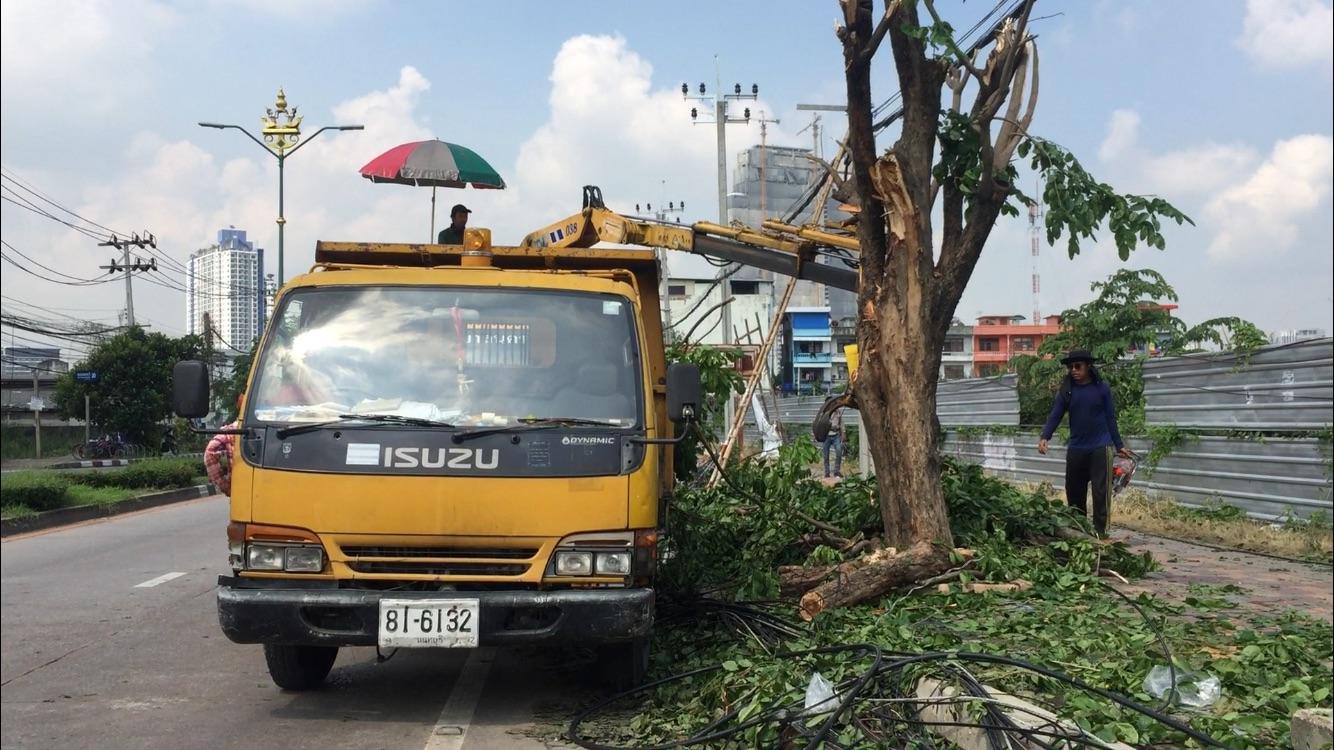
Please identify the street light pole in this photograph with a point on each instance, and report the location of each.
(281, 131)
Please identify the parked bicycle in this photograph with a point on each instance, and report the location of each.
(106, 446)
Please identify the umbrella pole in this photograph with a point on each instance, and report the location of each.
(432, 237)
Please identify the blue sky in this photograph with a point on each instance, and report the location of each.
(1223, 108)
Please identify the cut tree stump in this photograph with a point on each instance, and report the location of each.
(874, 575)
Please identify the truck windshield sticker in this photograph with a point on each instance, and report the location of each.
(363, 454)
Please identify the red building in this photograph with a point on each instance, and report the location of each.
(997, 338)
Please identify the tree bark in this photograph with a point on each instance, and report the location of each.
(898, 338)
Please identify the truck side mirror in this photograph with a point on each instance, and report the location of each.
(684, 392)
(189, 389)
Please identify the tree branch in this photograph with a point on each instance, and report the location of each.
(881, 29)
(1020, 128)
(954, 47)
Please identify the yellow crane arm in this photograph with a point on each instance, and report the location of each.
(791, 251)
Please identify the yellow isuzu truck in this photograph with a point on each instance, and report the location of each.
(454, 446)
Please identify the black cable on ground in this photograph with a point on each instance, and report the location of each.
(1162, 641)
(851, 693)
(773, 715)
(1120, 700)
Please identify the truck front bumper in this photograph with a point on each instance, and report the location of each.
(280, 612)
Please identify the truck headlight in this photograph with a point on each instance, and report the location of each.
(613, 563)
(574, 563)
(304, 560)
(264, 557)
(291, 559)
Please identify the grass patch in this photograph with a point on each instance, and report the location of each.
(15, 511)
(1224, 526)
(79, 494)
(29, 492)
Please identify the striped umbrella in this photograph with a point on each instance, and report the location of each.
(435, 163)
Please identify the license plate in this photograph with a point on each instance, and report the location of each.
(428, 623)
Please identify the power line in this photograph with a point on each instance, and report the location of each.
(109, 232)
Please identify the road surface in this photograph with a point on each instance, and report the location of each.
(111, 640)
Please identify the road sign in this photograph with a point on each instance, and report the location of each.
(85, 376)
(36, 404)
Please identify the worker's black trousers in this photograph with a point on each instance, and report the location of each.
(1090, 467)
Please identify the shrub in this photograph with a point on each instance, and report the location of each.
(37, 490)
(162, 473)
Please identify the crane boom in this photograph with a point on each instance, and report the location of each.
(789, 250)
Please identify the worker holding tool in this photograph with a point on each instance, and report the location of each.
(1093, 433)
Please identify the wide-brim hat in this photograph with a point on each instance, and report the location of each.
(1077, 355)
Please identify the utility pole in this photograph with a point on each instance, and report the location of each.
(1034, 214)
(673, 207)
(149, 241)
(721, 119)
(36, 414)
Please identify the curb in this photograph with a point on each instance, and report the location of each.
(102, 463)
(49, 519)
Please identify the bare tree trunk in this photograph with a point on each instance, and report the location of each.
(898, 338)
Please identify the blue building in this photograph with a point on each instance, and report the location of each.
(808, 350)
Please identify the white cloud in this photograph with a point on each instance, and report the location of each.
(1288, 34)
(48, 49)
(1199, 169)
(1122, 135)
(1262, 216)
(608, 125)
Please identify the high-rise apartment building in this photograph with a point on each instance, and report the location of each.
(226, 283)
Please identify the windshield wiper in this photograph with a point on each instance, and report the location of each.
(535, 423)
(286, 432)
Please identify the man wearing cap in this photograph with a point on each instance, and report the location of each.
(458, 218)
(1088, 458)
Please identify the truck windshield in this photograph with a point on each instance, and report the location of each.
(460, 355)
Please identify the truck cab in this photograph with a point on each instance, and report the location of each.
(451, 446)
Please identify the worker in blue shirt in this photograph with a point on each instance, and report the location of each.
(1088, 456)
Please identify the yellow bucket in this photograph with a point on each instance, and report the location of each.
(850, 351)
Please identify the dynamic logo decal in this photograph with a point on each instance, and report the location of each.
(584, 440)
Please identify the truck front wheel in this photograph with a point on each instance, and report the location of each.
(624, 666)
(299, 667)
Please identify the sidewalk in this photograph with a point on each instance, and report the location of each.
(1271, 585)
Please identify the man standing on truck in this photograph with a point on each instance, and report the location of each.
(458, 221)
(1088, 457)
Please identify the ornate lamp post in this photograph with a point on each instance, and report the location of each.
(281, 128)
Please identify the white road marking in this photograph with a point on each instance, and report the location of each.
(150, 583)
(451, 729)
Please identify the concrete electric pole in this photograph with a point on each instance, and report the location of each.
(721, 119)
(138, 265)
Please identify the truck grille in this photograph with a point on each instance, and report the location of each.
(506, 553)
(452, 560)
(440, 568)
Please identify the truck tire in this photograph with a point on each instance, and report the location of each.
(299, 667)
(624, 666)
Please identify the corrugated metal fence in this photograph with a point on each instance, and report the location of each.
(958, 402)
(978, 401)
(1287, 387)
(1268, 479)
